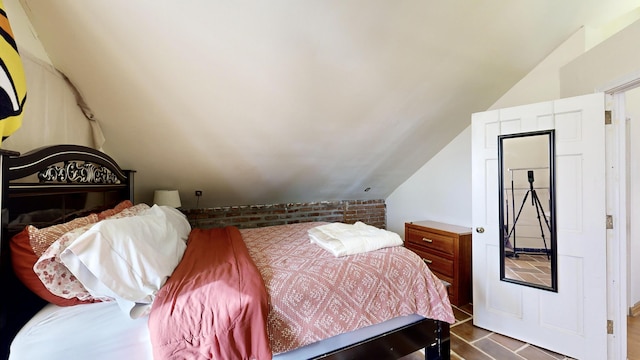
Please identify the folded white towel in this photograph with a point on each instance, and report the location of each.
(345, 239)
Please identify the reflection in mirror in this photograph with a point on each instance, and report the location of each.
(527, 209)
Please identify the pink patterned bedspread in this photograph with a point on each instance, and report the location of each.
(314, 295)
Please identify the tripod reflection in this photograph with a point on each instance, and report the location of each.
(540, 214)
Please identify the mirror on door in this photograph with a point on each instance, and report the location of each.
(527, 209)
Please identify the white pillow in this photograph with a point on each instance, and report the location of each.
(130, 258)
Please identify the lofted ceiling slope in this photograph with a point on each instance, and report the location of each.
(285, 101)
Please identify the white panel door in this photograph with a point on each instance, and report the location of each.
(573, 320)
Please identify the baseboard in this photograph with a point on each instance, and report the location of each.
(635, 310)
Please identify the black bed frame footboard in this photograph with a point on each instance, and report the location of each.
(391, 339)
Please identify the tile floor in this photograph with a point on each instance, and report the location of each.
(473, 343)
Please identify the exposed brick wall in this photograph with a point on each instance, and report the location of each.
(372, 212)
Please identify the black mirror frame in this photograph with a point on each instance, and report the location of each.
(553, 232)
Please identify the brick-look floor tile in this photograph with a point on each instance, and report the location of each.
(460, 315)
(466, 350)
(533, 353)
(496, 350)
(510, 343)
(467, 331)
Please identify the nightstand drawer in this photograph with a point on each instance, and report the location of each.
(430, 240)
(436, 263)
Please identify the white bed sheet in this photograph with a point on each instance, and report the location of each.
(99, 331)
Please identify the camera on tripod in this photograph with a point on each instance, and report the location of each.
(530, 178)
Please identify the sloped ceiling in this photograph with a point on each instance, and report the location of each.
(258, 102)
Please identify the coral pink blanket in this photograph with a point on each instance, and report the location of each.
(314, 295)
(214, 305)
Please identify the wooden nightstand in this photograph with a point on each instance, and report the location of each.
(447, 251)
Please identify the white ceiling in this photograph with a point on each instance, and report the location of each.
(258, 102)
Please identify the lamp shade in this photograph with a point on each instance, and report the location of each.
(167, 198)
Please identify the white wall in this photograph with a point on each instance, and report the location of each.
(614, 60)
(439, 191)
(543, 83)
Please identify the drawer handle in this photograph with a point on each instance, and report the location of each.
(427, 261)
(427, 240)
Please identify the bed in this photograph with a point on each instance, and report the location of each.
(275, 265)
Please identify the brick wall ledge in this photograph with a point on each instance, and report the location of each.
(371, 212)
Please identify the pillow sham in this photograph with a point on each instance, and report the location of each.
(41, 239)
(55, 276)
(23, 258)
(130, 258)
(116, 209)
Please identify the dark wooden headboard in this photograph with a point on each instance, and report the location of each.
(43, 187)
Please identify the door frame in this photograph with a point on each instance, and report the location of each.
(617, 206)
(615, 144)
